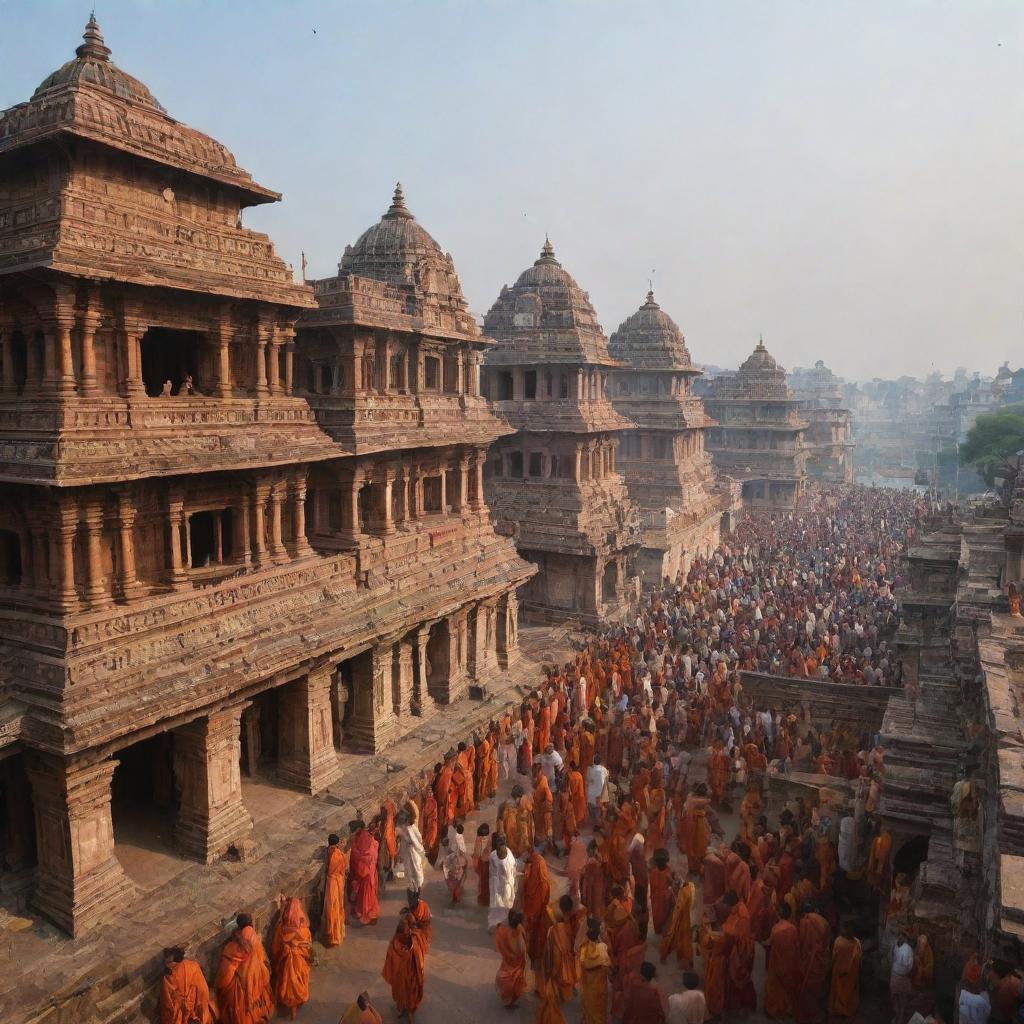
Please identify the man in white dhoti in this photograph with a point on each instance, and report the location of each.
(503, 884)
(411, 850)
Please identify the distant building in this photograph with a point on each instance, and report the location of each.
(828, 437)
(759, 436)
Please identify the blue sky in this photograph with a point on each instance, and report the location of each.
(845, 177)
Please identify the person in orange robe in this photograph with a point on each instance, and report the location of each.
(826, 855)
(660, 878)
(737, 871)
(543, 810)
(657, 814)
(388, 838)
(878, 859)
(595, 969)
(462, 784)
(184, 994)
(536, 896)
(784, 972)
(543, 735)
(292, 950)
(363, 879)
(592, 883)
(678, 937)
(403, 968)
(588, 744)
(443, 791)
(559, 964)
(569, 823)
(627, 950)
(332, 923)
(243, 978)
(429, 826)
(739, 988)
(815, 938)
(480, 761)
(621, 832)
(510, 941)
(718, 771)
(517, 822)
(714, 947)
(844, 992)
(362, 1012)
(696, 830)
(577, 791)
(482, 864)
(420, 916)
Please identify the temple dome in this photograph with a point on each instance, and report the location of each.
(760, 363)
(546, 316)
(399, 251)
(651, 339)
(91, 64)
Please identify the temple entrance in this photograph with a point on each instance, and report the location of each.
(259, 734)
(10, 559)
(209, 537)
(608, 581)
(17, 351)
(145, 795)
(17, 828)
(438, 653)
(169, 359)
(909, 857)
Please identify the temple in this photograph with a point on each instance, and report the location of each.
(759, 433)
(244, 526)
(828, 437)
(555, 483)
(664, 464)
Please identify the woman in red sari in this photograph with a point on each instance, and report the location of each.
(292, 949)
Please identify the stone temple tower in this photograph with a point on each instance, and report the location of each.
(667, 470)
(555, 483)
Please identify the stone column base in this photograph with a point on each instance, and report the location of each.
(306, 756)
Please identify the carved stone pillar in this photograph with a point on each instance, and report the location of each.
(131, 360)
(462, 495)
(90, 325)
(79, 881)
(263, 332)
(211, 815)
(274, 364)
(222, 338)
(65, 362)
(420, 700)
(278, 552)
(128, 583)
(289, 362)
(177, 574)
(33, 381)
(483, 647)
(418, 492)
(450, 689)
(40, 562)
(387, 523)
(260, 492)
(444, 489)
(62, 557)
(350, 527)
(49, 382)
(306, 757)
(373, 725)
(96, 591)
(240, 528)
(476, 498)
(299, 515)
(508, 630)
(404, 676)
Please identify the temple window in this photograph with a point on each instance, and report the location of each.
(431, 373)
(171, 362)
(504, 386)
(209, 537)
(16, 350)
(432, 494)
(325, 379)
(496, 467)
(536, 463)
(515, 464)
(334, 512)
(549, 385)
(563, 386)
(530, 385)
(398, 372)
(556, 468)
(10, 558)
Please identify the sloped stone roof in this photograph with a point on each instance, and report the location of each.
(651, 339)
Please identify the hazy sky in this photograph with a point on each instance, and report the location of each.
(844, 177)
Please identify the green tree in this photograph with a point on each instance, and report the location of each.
(993, 441)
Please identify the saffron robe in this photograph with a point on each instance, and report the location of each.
(184, 995)
(243, 980)
(292, 950)
(536, 896)
(814, 936)
(363, 880)
(678, 936)
(844, 992)
(510, 980)
(595, 967)
(333, 914)
(783, 976)
(403, 969)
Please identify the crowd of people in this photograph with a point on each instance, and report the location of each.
(628, 766)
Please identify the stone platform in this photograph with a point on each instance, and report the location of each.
(112, 975)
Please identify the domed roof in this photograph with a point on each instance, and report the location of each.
(92, 65)
(651, 339)
(760, 363)
(546, 316)
(399, 251)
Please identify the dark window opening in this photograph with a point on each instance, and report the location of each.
(515, 464)
(432, 494)
(170, 362)
(530, 385)
(431, 373)
(145, 794)
(17, 351)
(497, 467)
(334, 512)
(326, 379)
(365, 506)
(608, 582)
(10, 558)
(536, 464)
(505, 390)
(398, 372)
(563, 386)
(209, 537)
